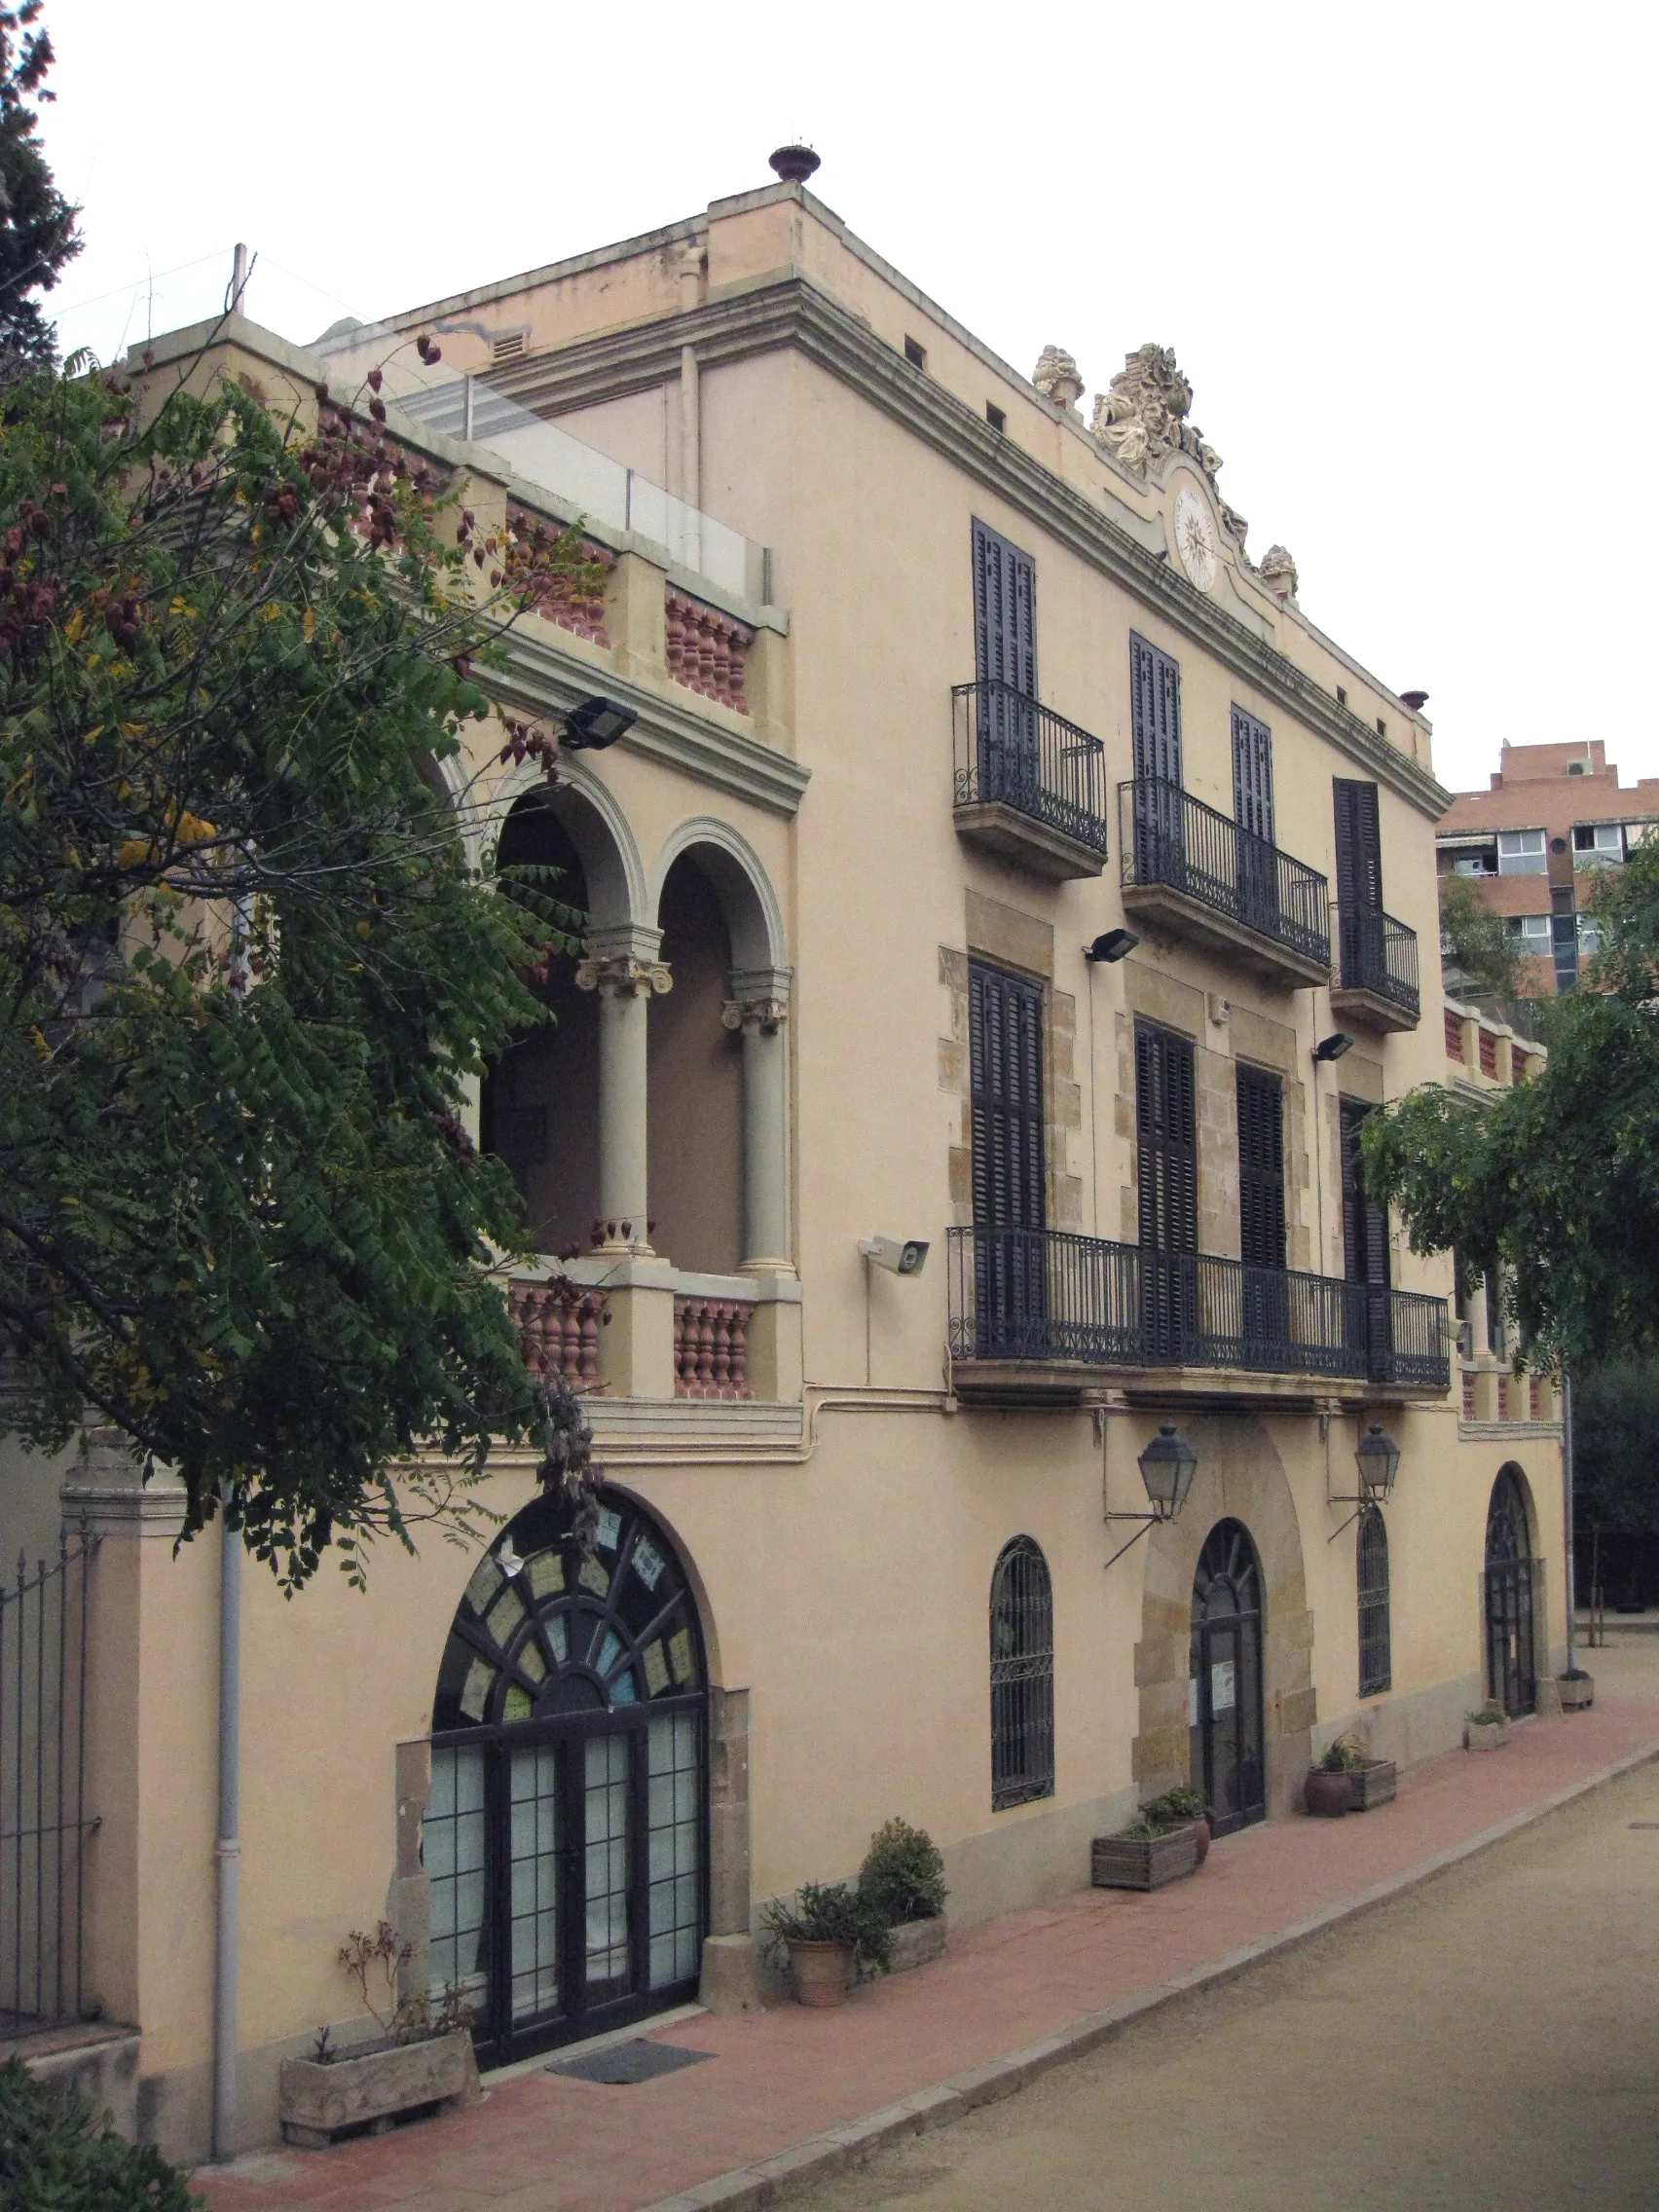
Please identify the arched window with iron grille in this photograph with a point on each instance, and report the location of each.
(1022, 1677)
(1376, 1667)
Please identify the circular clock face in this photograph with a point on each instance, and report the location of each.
(1195, 538)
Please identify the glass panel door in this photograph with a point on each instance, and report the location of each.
(607, 1764)
(534, 1852)
(676, 1836)
(452, 1850)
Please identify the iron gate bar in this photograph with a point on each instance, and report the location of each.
(44, 1824)
(1167, 836)
(1046, 1294)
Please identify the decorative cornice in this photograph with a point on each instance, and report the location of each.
(127, 1512)
(790, 312)
(543, 678)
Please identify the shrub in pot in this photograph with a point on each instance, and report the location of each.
(56, 2150)
(1485, 1730)
(827, 1932)
(1157, 1848)
(1175, 1808)
(1328, 1792)
(421, 2059)
(1577, 1689)
(903, 1879)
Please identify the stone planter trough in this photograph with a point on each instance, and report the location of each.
(318, 2100)
(1575, 1695)
(1491, 1737)
(1374, 1783)
(917, 1943)
(1144, 1861)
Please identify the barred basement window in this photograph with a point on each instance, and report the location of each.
(1022, 1677)
(1376, 1671)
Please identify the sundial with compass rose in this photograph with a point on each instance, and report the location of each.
(1195, 538)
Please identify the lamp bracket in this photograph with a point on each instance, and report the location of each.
(1146, 1520)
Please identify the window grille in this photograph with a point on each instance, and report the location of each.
(1376, 1672)
(1022, 1677)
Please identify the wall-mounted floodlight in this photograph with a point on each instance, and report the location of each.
(1167, 1466)
(1333, 1048)
(899, 1255)
(1111, 945)
(1377, 1460)
(594, 724)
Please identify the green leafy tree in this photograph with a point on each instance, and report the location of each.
(1615, 1446)
(1474, 940)
(1558, 1178)
(249, 964)
(37, 224)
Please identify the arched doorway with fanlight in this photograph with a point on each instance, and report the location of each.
(565, 1840)
(1511, 1588)
(1224, 1688)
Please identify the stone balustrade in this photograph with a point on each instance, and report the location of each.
(711, 1347)
(559, 1325)
(707, 650)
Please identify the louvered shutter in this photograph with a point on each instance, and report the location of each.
(1005, 613)
(1359, 878)
(1166, 1130)
(1261, 1170)
(1365, 1226)
(1006, 1098)
(1154, 702)
(1252, 776)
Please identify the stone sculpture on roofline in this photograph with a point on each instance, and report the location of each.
(1142, 416)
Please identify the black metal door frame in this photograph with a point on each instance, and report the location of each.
(500, 2042)
(1241, 1630)
(1510, 1593)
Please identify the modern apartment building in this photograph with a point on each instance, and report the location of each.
(1004, 908)
(1553, 816)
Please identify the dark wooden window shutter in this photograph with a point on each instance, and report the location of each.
(1155, 692)
(1261, 1168)
(1359, 847)
(1365, 1225)
(1252, 776)
(1005, 613)
(1167, 1141)
(1005, 1051)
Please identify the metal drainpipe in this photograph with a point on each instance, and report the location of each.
(1566, 1505)
(227, 1851)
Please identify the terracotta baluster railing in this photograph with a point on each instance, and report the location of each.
(559, 1324)
(706, 649)
(711, 1347)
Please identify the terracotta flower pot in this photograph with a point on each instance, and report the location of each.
(1201, 1831)
(1328, 1792)
(822, 1972)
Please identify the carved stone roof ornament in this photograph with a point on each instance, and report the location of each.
(1277, 571)
(1057, 377)
(1142, 416)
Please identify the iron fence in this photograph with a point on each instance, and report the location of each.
(1379, 954)
(1011, 752)
(44, 1823)
(1045, 1294)
(1166, 836)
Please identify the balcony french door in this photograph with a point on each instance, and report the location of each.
(1154, 702)
(1005, 1052)
(1005, 667)
(1265, 1286)
(1166, 1159)
(1253, 811)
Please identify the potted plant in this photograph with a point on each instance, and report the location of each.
(421, 2059)
(1180, 1804)
(902, 1880)
(827, 1933)
(1371, 1782)
(1487, 1731)
(1156, 1848)
(1328, 1792)
(1577, 1689)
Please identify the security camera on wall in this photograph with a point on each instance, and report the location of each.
(900, 1256)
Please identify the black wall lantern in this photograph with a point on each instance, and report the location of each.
(1111, 945)
(1377, 1459)
(1167, 1466)
(1333, 1048)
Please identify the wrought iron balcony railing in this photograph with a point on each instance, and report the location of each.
(1168, 838)
(1011, 752)
(1378, 954)
(1049, 1295)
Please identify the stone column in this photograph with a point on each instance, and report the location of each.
(760, 1017)
(627, 974)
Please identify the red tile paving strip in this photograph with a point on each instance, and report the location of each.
(541, 2143)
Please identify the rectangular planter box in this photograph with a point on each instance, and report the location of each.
(917, 1943)
(1488, 1739)
(315, 2101)
(1575, 1696)
(1374, 1783)
(1143, 1862)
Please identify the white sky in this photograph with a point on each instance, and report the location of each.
(1405, 254)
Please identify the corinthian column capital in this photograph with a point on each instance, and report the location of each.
(621, 974)
(767, 1015)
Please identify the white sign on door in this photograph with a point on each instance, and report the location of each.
(1192, 1701)
(1224, 1694)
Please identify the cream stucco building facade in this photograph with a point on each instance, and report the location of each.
(936, 684)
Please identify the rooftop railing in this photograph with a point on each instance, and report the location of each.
(1168, 838)
(1050, 1295)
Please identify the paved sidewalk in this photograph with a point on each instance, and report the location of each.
(539, 2143)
